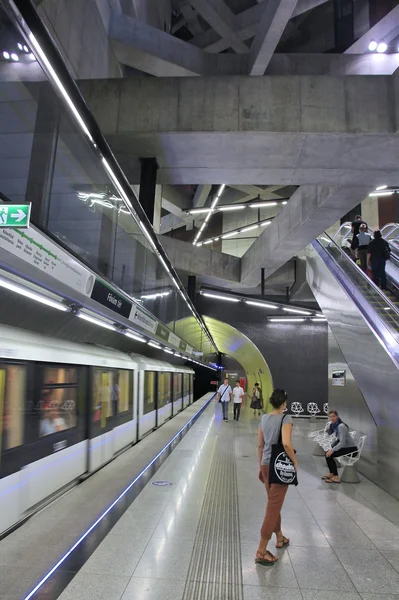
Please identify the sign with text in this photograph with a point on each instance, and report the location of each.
(174, 339)
(182, 346)
(108, 297)
(339, 378)
(162, 332)
(15, 215)
(143, 319)
(38, 251)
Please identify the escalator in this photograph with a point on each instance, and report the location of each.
(364, 324)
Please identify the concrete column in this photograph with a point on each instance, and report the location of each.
(157, 209)
(148, 180)
(370, 212)
(192, 288)
(43, 154)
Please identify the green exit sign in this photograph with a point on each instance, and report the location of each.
(14, 215)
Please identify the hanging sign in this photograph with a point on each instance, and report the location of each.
(15, 215)
(339, 378)
(108, 297)
(143, 319)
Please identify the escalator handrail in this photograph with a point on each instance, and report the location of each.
(369, 282)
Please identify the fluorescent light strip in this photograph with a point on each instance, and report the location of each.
(154, 345)
(59, 85)
(18, 289)
(221, 190)
(236, 207)
(217, 297)
(96, 321)
(120, 189)
(111, 506)
(207, 242)
(168, 351)
(297, 311)
(213, 205)
(164, 263)
(261, 304)
(373, 194)
(381, 187)
(228, 235)
(263, 204)
(133, 336)
(199, 211)
(249, 228)
(286, 320)
(265, 223)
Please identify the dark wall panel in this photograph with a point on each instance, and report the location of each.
(297, 354)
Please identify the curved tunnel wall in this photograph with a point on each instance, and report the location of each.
(297, 355)
(235, 344)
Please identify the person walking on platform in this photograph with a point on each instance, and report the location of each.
(269, 434)
(224, 396)
(363, 240)
(378, 253)
(257, 400)
(238, 397)
(343, 445)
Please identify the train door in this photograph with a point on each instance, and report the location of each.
(177, 393)
(164, 404)
(148, 402)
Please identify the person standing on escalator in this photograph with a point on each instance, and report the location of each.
(364, 239)
(378, 253)
(355, 230)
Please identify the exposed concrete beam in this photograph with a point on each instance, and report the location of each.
(333, 64)
(201, 195)
(246, 24)
(318, 130)
(271, 27)
(153, 51)
(221, 18)
(201, 261)
(378, 33)
(311, 210)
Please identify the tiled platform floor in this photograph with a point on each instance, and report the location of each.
(344, 538)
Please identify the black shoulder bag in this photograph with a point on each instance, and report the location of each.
(225, 390)
(282, 470)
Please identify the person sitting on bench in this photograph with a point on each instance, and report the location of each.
(341, 446)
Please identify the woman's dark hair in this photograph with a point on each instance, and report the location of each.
(377, 235)
(256, 384)
(278, 398)
(333, 412)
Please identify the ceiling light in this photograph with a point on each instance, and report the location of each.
(297, 311)
(373, 46)
(221, 189)
(20, 46)
(216, 239)
(262, 204)
(285, 202)
(381, 187)
(236, 207)
(6, 55)
(228, 235)
(177, 354)
(262, 304)
(374, 194)
(168, 351)
(32, 56)
(382, 47)
(96, 321)
(154, 345)
(249, 228)
(217, 297)
(321, 319)
(133, 336)
(202, 227)
(26, 49)
(208, 242)
(22, 291)
(285, 320)
(265, 223)
(198, 211)
(14, 57)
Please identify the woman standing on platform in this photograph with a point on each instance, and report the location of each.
(268, 435)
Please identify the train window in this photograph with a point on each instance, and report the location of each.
(164, 389)
(177, 386)
(58, 400)
(149, 392)
(104, 396)
(12, 398)
(122, 389)
(186, 384)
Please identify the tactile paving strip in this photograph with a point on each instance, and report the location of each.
(215, 571)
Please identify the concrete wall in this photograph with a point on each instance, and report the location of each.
(297, 355)
(80, 30)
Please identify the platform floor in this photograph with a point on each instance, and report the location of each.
(196, 539)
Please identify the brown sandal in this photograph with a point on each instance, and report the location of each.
(261, 559)
(284, 542)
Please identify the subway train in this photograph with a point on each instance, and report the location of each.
(67, 409)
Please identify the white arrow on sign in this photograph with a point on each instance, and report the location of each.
(19, 215)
